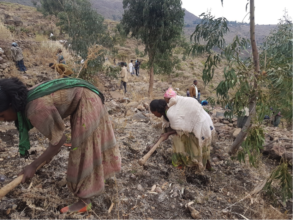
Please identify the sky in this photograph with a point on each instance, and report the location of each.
(266, 11)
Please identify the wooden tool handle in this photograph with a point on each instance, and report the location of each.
(146, 157)
(6, 189)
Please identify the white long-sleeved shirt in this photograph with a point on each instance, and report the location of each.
(130, 67)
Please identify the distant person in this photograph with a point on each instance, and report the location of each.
(124, 76)
(198, 96)
(131, 69)
(137, 65)
(187, 93)
(17, 57)
(62, 69)
(193, 90)
(60, 58)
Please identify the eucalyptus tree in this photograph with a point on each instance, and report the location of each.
(240, 85)
(276, 59)
(158, 23)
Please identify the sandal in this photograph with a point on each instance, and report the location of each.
(82, 210)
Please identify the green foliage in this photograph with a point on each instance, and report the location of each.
(158, 23)
(84, 26)
(282, 178)
(11, 28)
(120, 36)
(277, 53)
(252, 145)
(137, 52)
(112, 71)
(237, 86)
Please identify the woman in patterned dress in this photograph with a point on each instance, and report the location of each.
(94, 155)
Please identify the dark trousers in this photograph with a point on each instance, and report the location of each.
(123, 84)
(21, 66)
(137, 71)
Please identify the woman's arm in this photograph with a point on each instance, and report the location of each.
(167, 134)
(29, 171)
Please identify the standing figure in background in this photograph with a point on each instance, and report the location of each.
(137, 64)
(131, 69)
(124, 77)
(198, 96)
(187, 93)
(17, 57)
(193, 90)
(60, 58)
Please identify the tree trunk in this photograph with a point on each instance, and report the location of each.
(252, 101)
(151, 83)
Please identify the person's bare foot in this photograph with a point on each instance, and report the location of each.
(80, 206)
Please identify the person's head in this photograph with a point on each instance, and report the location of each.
(14, 44)
(198, 90)
(13, 96)
(158, 107)
(131, 61)
(51, 65)
(195, 82)
(170, 93)
(187, 90)
(59, 51)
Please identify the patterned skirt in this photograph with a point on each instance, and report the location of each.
(187, 152)
(95, 155)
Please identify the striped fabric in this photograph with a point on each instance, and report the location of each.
(95, 156)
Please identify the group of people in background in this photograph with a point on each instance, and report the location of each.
(59, 66)
(132, 69)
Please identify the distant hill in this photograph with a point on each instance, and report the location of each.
(22, 2)
(113, 9)
(261, 32)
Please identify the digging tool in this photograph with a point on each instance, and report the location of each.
(146, 157)
(6, 189)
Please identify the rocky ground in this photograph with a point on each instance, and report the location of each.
(155, 191)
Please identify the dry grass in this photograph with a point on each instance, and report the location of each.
(5, 34)
(45, 52)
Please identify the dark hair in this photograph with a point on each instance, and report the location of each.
(51, 64)
(13, 92)
(131, 61)
(198, 90)
(59, 51)
(159, 105)
(195, 81)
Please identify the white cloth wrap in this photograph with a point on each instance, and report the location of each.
(186, 115)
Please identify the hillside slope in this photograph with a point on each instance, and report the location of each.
(22, 2)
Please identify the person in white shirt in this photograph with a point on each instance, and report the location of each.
(193, 90)
(131, 69)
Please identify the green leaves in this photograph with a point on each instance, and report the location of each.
(158, 23)
(282, 179)
(252, 145)
(277, 63)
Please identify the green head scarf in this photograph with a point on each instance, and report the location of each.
(23, 124)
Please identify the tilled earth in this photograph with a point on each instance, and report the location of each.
(157, 190)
